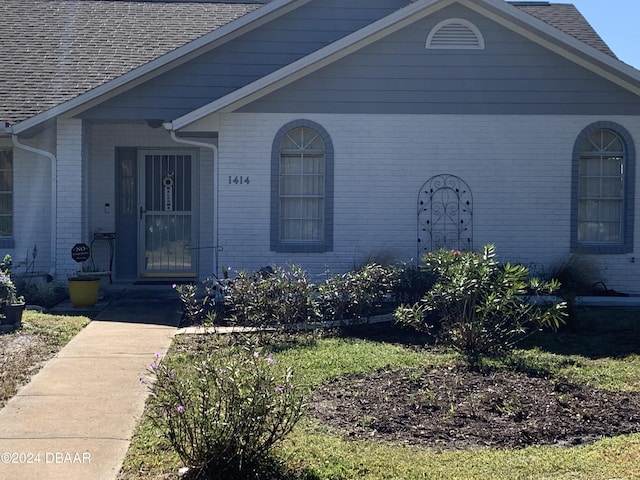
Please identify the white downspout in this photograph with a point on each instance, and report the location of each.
(214, 148)
(54, 197)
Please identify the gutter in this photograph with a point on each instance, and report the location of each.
(216, 166)
(54, 196)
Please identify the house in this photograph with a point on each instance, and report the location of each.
(177, 138)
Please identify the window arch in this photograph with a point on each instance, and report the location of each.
(455, 33)
(603, 190)
(302, 188)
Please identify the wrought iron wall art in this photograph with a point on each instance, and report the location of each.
(445, 215)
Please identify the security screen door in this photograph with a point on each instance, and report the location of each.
(166, 214)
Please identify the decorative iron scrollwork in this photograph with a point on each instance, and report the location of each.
(445, 215)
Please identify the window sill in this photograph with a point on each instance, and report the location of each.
(301, 247)
(7, 242)
(602, 249)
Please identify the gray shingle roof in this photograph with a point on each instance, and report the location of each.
(55, 50)
(568, 19)
(51, 51)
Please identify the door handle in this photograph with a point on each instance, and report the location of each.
(142, 210)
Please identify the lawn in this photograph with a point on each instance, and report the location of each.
(601, 356)
(23, 352)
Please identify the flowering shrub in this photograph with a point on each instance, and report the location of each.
(272, 296)
(356, 294)
(223, 413)
(8, 291)
(483, 307)
(197, 308)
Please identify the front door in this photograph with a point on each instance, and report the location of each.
(166, 213)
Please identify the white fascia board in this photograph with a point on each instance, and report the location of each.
(316, 60)
(564, 44)
(155, 67)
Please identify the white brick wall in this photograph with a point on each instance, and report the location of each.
(518, 168)
(72, 199)
(32, 204)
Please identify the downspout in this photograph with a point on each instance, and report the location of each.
(214, 148)
(54, 196)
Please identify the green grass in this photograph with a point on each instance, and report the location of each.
(604, 352)
(58, 330)
(24, 351)
(320, 455)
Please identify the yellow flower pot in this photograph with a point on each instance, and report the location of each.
(83, 291)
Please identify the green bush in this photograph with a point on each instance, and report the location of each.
(272, 296)
(484, 307)
(413, 283)
(223, 412)
(357, 294)
(200, 308)
(42, 293)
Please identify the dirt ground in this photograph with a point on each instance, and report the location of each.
(456, 408)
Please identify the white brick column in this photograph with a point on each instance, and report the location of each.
(71, 199)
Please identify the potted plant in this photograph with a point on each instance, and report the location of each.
(83, 290)
(11, 304)
(95, 271)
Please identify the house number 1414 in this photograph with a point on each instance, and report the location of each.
(238, 180)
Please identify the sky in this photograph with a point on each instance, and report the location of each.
(617, 22)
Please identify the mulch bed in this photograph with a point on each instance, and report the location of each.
(457, 408)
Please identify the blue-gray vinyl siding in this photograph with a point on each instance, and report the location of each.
(243, 60)
(512, 75)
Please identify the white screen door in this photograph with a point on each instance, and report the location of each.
(166, 214)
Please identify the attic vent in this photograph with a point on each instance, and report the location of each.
(455, 33)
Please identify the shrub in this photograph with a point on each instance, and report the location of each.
(271, 296)
(224, 412)
(200, 308)
(484, 308)
(356, 294)
(577, 275)
(42, 293)
(413, 283)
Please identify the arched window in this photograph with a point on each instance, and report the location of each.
(455, 33)
(302, 189)
(603, 171)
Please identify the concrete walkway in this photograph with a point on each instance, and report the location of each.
(74, 420)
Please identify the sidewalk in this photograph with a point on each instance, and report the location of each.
(74, 420)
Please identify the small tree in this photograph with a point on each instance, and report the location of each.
(484, 307)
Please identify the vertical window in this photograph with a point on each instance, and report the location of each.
(604, 169)
(6, 193)
(302, 171)
(302, 186)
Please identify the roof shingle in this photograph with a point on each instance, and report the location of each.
(60, 49)
(567, 19)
